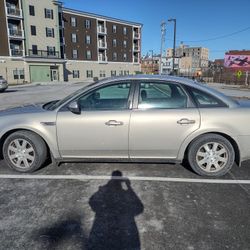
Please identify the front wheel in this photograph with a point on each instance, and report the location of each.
(24, 151)
(211, 155)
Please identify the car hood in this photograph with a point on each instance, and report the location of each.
(33, 108)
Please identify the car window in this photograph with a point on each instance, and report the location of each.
(113, 97)
(161, 95)
(205, 100)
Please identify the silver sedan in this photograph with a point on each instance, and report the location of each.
(134, 118)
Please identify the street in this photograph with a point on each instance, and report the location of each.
(119, 205)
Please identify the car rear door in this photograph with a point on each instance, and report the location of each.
(163, 116)
(101, 130)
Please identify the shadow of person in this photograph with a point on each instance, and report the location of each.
(115, 205)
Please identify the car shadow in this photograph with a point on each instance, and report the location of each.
(67, 233)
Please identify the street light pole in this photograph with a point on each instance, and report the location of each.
(173, 20)
(152, 60)
(163, 33)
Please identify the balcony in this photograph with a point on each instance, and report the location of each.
(16, 33)
(14, 12)
(102, 44)
(102, 58)
(102, 30)
(16, 52)
(136, 35)
(136, 48)
(136, 60)
(44, 54)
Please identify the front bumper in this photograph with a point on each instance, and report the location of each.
(3, 86)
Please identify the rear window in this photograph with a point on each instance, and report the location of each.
(205, 100)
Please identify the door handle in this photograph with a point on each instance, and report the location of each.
(113, 123)
(184, 121)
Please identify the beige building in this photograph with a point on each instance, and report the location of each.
(42, 42)
(191, 59)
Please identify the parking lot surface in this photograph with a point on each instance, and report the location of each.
(119, 206)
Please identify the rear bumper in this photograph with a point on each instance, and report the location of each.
(244, 146)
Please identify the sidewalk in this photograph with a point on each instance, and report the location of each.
(34, 84)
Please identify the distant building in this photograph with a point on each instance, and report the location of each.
(191, 59)
(167, 65)
(150, 65)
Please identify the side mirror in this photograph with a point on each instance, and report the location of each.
(74, 108)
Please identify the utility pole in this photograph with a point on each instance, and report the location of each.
(163, 34)
(173, 20)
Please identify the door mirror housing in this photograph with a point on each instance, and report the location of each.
(74, 108)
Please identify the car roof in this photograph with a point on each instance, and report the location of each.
(174, 79)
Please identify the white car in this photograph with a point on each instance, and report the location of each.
(3, 84)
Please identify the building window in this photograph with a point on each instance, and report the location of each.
(124, 57)
(113, 72)
(102, 73)
(124, 30)
(32, 10)
(34, 49)
(87, 24)
(114, 28)
(18, 74)
(74, 54)
(126, 72)
(89, 73)
(51, 51)
(115, 56)
(88, 39)
(114, 43)
(88, 54)
(73, 21)
(125, 44)
(76, 74)
(120, 73)
(48, 13)
(73, 38)
(33, 30)
(50, 32)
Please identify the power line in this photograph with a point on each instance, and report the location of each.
(219, 37)
(214, 38)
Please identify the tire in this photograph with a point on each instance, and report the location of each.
(211, 155)
(24, 151)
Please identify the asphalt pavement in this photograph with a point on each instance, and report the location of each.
(119, 205)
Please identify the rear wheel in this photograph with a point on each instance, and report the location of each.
(24, 151)
(211, 155)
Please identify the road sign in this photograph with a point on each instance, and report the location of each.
(239, 73)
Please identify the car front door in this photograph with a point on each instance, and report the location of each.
(163, 116)
(101, 129)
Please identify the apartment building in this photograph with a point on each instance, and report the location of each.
(42, 41)
(31, 48)
(99, 46)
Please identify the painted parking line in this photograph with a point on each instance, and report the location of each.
(134, 178)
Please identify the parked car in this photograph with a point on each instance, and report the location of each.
(132, 118)
(3, 84)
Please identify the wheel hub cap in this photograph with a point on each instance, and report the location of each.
(212, 157)
(21, 153)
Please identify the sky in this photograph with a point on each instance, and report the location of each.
(219, 25)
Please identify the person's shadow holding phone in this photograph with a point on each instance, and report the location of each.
(115, 205)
